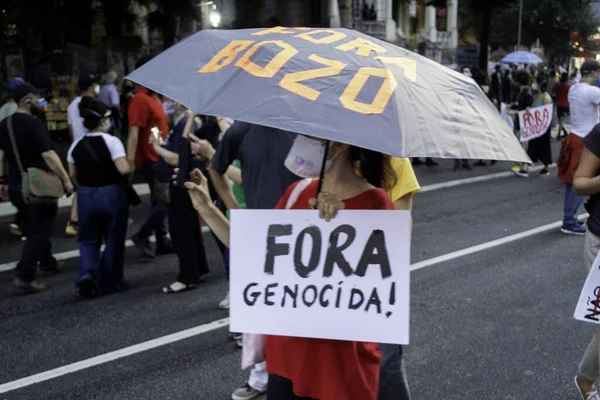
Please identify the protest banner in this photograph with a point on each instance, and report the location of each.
(294, 274)
(535, 121)
(588, 306)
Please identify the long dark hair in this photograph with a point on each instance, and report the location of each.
(92, 111)
(375, 167)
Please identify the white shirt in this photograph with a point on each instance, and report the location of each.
(74, 119)
(584, 101)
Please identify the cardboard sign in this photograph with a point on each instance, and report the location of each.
(588, 306)
(293, 274)
(535, 121)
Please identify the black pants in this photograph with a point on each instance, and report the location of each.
(186, 235)
(281, 389)
(158, 214)
(37, 222)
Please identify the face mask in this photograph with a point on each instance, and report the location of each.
(306, 157)
(97, 90)
(38, 106)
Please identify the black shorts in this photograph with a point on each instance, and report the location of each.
(563, 111)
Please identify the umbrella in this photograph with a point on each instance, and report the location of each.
(335, 84)
(521, 57)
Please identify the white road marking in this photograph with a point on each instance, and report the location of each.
(178, 336)
(113, 355)
(475, 179)
(7, 209)
(67, 255)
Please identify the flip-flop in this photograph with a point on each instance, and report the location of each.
(168, 290)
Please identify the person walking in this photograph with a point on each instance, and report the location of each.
(25, 143)
(539, 149)
(587, 183)
(99, 166)
(261, 151)
(185, 226)
(309, 368)
(88, 86)
(496, 86)
(145, 113)
(109, 95)
(560, 92)
(584, 101)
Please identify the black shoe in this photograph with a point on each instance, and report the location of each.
(143, 245)
(480, 163)
(87, 289)
(430, 163)
(493, 162)
(164, 247)
(466, 166)
(544, 171)
(417, 161)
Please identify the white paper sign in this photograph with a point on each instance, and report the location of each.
(293, 274)
(535, 121)
(588, 306)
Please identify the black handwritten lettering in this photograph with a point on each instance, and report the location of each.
(339, 295)
(324, 303)
(255, 295)
(375, 253)
(374, 300)
(315, 254)
(353, 305)
(334, 252)
(275, 249)
(269, 293)
(393, 294)
(312, 288)
(292, 293)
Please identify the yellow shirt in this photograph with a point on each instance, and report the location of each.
(406, 180)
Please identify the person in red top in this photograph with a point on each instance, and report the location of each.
(306, 368)
(560, 93)
(145, 112)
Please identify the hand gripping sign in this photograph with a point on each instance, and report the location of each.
(535, 122)
(588, 306)
(293, 274)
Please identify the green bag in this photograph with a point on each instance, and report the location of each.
(39, 187)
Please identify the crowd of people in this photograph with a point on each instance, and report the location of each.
(199, 167)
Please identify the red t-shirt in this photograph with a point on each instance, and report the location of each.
(326, 369)
(146, 112)
(561, 90)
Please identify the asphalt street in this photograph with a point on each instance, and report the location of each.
(494, 324)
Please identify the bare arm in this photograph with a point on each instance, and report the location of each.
(132, 142)
(223, 188)
(73, 173)
(54, 163)
(70, 129)
(216, 221)
(123, 166)
(587, 180)
(170, 157)
(235, 175)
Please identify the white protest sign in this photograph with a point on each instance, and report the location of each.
(293, 274)
(535, 121)
(588, 306)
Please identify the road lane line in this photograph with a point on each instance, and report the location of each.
(7, 209)
(113, 355)
(182, 335)
(67, 255)
(475, 179)
(489, 245)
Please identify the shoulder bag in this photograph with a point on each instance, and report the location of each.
(39, 187)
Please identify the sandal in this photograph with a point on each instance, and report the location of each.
(169, 290)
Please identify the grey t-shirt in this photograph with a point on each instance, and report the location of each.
(262, 152)
(592, 143)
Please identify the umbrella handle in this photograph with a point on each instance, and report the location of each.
(322, 174)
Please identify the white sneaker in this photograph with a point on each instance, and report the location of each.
(586, 396)
(224, 304)
(246, 392)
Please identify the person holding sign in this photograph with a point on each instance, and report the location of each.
(305, 368)
(539, 149)
(584, 101)
(587, 183)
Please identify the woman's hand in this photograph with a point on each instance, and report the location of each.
(201, 147)
(328, 205)
(197, 188)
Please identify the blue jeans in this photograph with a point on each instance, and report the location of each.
(157, 219)
(572, 203)
(392, 375)
(103, 213)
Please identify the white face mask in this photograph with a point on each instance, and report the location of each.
(97, 90)
(306, 157)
